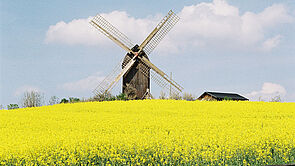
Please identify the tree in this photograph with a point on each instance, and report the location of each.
(12, 106)
(64, 100)
(53, 100)
(74, 99)
(104, 97)
(276, 99)
(188, 97)
(162, 95)
(32, 99)
(175, 96)
(1, 107)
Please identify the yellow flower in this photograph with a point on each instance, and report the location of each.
(150, 131)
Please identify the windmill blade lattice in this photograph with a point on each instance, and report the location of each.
(111, 32)
(159, 32)
(165, 84)
(160, 78)
(112, 79)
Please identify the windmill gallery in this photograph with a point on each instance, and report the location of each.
(135, 67)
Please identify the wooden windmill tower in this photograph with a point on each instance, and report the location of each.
(135, 67)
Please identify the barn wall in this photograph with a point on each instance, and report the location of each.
(207, 98)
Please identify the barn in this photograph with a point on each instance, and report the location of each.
(219, 96)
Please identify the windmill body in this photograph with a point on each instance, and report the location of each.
(135, 67)
(136, 81)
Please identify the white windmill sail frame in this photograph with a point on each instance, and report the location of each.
(161, 30)
(112, 79)
(160, 77)
(111, 32)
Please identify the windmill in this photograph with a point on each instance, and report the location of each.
(135, 67)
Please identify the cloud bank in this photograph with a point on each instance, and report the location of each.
(216, 24)
(79, 31)
(268, 91)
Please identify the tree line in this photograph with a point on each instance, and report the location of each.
(36, 99)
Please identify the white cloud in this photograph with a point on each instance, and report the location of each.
(221, 25)
(26, 88)
(75, 32)
(84, 84)
(79, 31)
(216, 24)
(271, 43)
(268, 91)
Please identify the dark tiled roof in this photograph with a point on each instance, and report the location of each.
(220, 95)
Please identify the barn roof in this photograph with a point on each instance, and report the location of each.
(219, 95)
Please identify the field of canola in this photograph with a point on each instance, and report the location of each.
(149, 132)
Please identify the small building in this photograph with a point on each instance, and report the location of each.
(218, 96)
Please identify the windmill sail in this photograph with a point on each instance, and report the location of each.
(123, 41)
(150, 43)
(112, 79)
(160, 77)
(161, 30)
(111, 32)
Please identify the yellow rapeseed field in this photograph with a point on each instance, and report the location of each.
(149, 132)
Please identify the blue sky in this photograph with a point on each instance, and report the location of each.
(232, 46)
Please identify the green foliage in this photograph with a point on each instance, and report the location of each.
(104, 97)
(150, 157)
(12, 106)
(227, 98)
(121, 96)
(108, 97)
(74, 99)
(64, 100)
(70, 100)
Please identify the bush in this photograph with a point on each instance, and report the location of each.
(104, 97)
(227, 98)
(276, 99)
(64, 100)
(175, 96)
(121, 96)
(188, 97)
(74, 99)
(12, 106)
